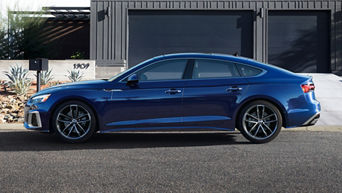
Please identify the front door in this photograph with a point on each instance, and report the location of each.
(154, 103)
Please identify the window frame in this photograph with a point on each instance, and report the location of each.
(189, 68)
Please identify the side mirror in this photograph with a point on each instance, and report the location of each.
(132, 80)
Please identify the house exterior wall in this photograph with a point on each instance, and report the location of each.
(109, 24)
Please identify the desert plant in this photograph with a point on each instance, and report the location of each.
(45, 77)
(74, 75)
(18, 80)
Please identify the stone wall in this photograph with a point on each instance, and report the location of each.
(59, 68)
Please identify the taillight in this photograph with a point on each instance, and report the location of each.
(307, 87)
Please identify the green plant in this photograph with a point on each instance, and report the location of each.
(21, 35)
(45, 77)
(18, 80)
(77, 55)
(75, 76)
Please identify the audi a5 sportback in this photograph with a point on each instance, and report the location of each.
(179, 92)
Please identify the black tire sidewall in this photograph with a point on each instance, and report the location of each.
(269, 105)
(92, 127)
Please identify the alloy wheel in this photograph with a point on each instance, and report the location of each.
(73, 121)
(260, 122)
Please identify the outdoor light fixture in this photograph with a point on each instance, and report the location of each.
(107, 12)
(261, 12)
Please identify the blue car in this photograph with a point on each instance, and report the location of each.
(189, 91)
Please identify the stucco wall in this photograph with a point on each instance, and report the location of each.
(59, 68)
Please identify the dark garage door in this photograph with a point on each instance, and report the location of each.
(299, 40)
(153, 33)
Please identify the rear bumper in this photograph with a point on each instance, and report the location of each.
(312, 120)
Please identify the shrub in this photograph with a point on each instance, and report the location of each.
(75, 76)
(18, 80)
(77, 55)
(45, 77)
(4, 85)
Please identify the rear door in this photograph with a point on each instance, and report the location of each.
(211, 96)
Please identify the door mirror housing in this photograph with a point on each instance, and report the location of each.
(132, 80)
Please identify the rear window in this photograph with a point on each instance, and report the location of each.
(247, 71)
(206, 68)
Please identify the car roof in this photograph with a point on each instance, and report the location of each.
(206, 55)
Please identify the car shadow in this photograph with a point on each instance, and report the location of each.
(33, 141)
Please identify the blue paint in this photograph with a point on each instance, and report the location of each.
(169, 120)
(201, 103)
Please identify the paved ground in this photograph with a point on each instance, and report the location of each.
(302, 161)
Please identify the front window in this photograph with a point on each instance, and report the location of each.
(164, 70)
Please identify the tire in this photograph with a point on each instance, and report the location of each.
(260, 121)
(74, 122)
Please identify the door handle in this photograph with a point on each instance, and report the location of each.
(234, 89)
(173, 91)
(112, 90)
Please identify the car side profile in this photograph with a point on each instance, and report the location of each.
(189, 91)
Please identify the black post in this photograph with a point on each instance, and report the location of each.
(38, 80)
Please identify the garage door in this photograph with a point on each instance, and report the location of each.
(153, 33)
(299, 41)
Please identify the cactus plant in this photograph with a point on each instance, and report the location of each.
(18, 80)
(45, 77)
(75, 76)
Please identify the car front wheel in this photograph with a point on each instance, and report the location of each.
(260, 121)
(74, 121)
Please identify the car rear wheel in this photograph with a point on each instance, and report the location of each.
(260, 121)
(74, 121)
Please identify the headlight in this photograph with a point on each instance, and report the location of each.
(40, 98)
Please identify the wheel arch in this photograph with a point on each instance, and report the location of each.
(264, 98)
(74, 98)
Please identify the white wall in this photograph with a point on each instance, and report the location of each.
(59, 68)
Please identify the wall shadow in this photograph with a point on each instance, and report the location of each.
(301, 46)
(34, 141)
(304, 55)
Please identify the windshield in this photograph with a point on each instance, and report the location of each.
(116, 76)
(130, 69)
(123, 72)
